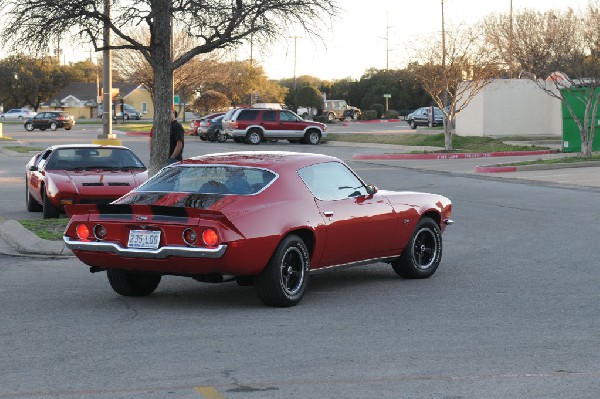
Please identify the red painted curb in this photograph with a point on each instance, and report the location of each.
(495, 169)
(137, 134)
(380, 121)
(463, 155)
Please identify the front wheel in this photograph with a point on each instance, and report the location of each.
(53, 126)
(422, 255)
(283, 281)
(312, 137)
(331, 117)
(221, 137)
(412, 124)
(30, 202)
(49, 211)
(253, 137)
(29, 126)
(132, 284)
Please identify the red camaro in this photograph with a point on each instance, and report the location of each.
(80, 174)
(260, 218)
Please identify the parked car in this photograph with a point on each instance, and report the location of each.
(212, 130)
(266, 219)
(196, 122)
(332, 109)
(421, 117)
(252, 126)
(50, 120)
(80, 174)
(227, 118)
(128, 112)
(17, 114)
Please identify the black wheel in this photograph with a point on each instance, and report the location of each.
(331, 117)
(132, 284)
(67, 127)
(53, 126)
(423, 254)
(30, 202)
(253, 137)
(212, 137)
(202, 137)
(221, 137)
(29, 126)
(412, 124)
(356, 115)
(283, 281)
(49, 211)
(126, 117)
(312, 137)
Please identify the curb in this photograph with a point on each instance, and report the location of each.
(464, 155)
(25, 242)
(521, 168)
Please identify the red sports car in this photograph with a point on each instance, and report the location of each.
(260, 218)
(80, 174)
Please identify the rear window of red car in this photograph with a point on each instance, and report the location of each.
(247, 115)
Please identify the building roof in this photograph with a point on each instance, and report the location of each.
(84, 91)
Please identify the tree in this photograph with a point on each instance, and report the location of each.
(211, 101)
(310, 98)
(454, 72)
(563, 49)
(213, 25)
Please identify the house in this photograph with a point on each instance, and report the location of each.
(81, 99)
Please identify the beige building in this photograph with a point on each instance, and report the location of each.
(81, 99)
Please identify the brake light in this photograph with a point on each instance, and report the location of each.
(100, 232)
(233, 124)
(189, 236)
(82, 232)
(210, 237)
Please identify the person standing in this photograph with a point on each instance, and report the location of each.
(175, 140)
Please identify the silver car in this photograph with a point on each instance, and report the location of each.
(17, 114)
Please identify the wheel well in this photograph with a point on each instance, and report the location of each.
(313, 129)
(307, 236)
(433, 215)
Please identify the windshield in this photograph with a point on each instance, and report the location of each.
(213, 179)
(93, 158)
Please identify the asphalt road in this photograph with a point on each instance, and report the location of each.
(511, 313)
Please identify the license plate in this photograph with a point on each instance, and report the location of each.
(144, 239)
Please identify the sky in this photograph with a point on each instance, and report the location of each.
(368, 34)
(356, 40)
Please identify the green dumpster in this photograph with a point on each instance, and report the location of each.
(571, 135)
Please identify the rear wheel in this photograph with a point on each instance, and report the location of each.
(422, 255)
(49, 211)
(331, 117)
(29, 126)
(132, 284)
(312, 137)
(283, 281)
(412, 124)
(67, 127)
(253, 137)
(30, 202)
(221, 137)
(53, 126)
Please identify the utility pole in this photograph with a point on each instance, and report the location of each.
(510, 42)
(295, 83)
(387, 42)
(445, 82)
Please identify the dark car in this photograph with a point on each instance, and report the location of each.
(212, 129)
(197, 123)
(422, 117)
(80, 174)
(50, 120)
(266, 219)
(252, 126)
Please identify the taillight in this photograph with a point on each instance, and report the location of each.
(210, 237)
(82, 232)
(189, 236)
(100, 232)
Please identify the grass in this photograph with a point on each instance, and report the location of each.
(134, 127)
(47, 229)
(553, 161)
(23, 149)
(460, 143)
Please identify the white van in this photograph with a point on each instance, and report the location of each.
(267, 105)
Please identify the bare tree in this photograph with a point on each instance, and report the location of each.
(215, 24)
(560, 53)
(454, 72)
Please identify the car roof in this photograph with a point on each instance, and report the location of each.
(62, 146)
(274, 160)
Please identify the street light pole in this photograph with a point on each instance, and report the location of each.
(445, 83)
(510, 42)
(106, 79)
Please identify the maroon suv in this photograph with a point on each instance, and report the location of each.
(253, 125)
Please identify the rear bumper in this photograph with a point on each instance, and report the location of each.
(160, 253)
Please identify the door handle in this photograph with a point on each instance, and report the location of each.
(328, 214)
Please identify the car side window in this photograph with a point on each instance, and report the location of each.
(269, 116)
(287, 116)
(332, 181)
(248, 115)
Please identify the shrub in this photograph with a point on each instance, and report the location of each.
(369, 115)
(321, 118)
(379, 108)
(391, 114)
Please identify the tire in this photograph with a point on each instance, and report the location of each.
(312, 137)
(356, 116)
(126, 117)
(49, 211)
(29, 126)
(30, 202)
(221, 137)
(412, 124)
(331, 117)
(203, 138)
(283, 281)
(132, 284)
(253, 137)
(53, 126)
(211, 137)
(67, 127)
(422, 255)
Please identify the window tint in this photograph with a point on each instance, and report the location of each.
(269, 116)
(217, 179)
(331, 181)
(247, 115)
(287, 116)
(90, 158)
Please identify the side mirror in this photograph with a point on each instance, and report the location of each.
(371, 189)
(33, 168)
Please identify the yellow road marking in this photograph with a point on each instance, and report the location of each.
(209, 393)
